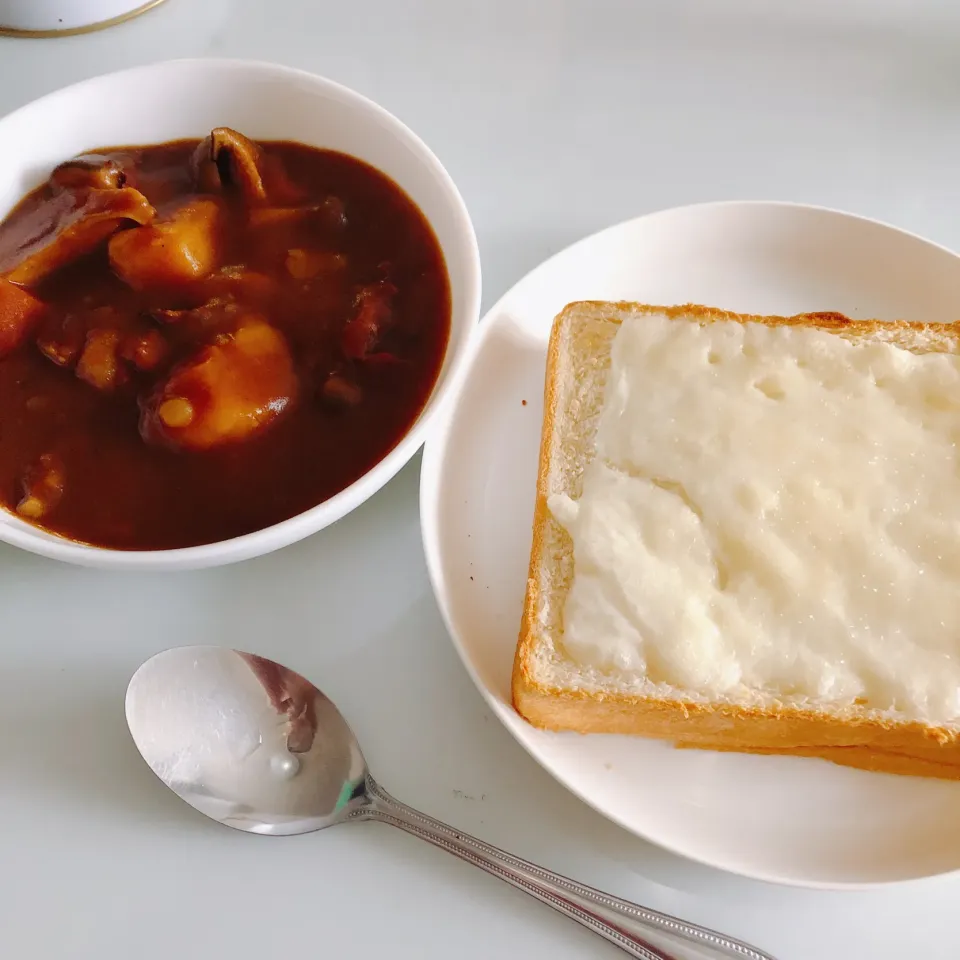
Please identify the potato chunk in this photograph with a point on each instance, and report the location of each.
(20, 312)
(170, 252)
(230, 390)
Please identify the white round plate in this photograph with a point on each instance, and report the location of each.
(783, 819)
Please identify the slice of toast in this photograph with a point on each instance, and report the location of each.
(554, 691)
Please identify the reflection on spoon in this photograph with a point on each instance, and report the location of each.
(291, 696)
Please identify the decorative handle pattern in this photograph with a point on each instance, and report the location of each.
(641, 933)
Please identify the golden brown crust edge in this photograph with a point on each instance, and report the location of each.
(522, 684)
(824, 320)
(868, 743)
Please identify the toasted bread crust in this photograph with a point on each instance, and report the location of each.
(869, 742)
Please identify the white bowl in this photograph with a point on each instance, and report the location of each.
(187, 98)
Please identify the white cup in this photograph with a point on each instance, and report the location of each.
(59, 16)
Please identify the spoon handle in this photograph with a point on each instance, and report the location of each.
(639, 932)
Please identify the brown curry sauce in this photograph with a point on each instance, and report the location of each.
(331, 255)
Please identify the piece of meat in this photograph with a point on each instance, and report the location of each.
(373, 315)
(329, 215)
(212, 313)
(199, 325)
(306, 264)
(225, 294)
(230, 390)
(178, 249)
(42, 487)
(61, 338)
(100, 364)
(265, 217)
(63, 228)
(384, 360)
(240, 284)
(146, 350)
(88, 171)
(20, 313)
(340, 392)
(229, 159)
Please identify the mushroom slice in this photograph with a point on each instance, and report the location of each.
(63, 228)
(20, 312)
(229, 159)
(92, 170)
(230, 390)
(176, 250)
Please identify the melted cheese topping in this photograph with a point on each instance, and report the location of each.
(773, 511)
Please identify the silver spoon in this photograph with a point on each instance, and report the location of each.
(257, 747)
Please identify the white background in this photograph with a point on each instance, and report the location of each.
(555, 119)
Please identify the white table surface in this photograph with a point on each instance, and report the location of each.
(555, 119)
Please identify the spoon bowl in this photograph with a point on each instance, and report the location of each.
(257, 747)
(245, 741)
